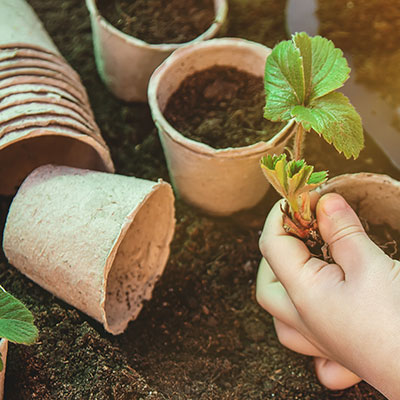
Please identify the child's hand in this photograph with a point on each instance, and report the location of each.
(330, 373)
(348, 312)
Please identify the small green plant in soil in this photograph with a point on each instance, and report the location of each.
(301, 78)
(160, 21)
(16, 321)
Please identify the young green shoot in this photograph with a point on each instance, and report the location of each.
(301, 79)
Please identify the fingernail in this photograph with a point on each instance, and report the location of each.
(332, 203)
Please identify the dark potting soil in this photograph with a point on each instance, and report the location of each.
(222, 107)
(159, 21)
(385, 237)
(202, 336)
(369, 30)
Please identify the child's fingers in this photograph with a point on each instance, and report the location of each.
(293, 340)
(285, 254)
(272, 296)
(341, 228)
(333, 375)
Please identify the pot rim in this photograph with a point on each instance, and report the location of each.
(162, 124)
(221, 11)
(368, 193)
(118, 328)
(366, 176)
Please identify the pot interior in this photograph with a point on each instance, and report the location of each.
(18, 159)
(243, 55)
(140, 259)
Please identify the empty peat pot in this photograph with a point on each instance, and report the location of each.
(218, 181)
(375, 197)
(20, 24)
(125, 63)
(98, 241)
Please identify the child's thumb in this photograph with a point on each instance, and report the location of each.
(341, 228)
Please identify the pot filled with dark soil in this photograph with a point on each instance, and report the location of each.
(207, 101)
(132, 38)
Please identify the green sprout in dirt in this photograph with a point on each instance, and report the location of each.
(16, 321)
(301, 76)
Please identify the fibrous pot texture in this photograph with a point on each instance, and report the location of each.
(19, 24)
(98, 241)
(45, 119)
(45, 115)
(218, 181)
(374, 197)
(125, 63)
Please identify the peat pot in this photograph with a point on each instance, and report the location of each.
(20, 24)
(45, 115)
(98, 241)
(125, 63)
(368, 193)
(218, 181)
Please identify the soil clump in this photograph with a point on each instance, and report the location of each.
(221, 106)
(160, 21)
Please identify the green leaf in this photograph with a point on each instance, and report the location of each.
(301, 70)
(284, 81)
(294, 167)
(280, 170)
(333, 117)
(329, 68)
(292, 180)
(273, 168)
(16, 321)
(303, 42)
(298, 180)
(317, 178)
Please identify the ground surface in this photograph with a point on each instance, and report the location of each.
(202, 336)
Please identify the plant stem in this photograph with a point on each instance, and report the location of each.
(298, 142)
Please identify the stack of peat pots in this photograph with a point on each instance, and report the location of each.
(95, 239)
(45, 115)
